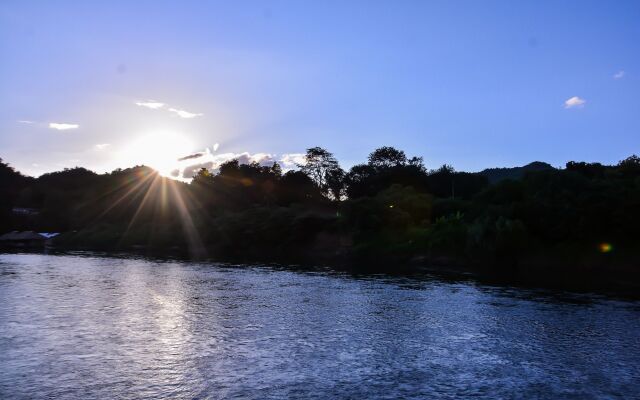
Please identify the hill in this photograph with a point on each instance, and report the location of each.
(498, 174)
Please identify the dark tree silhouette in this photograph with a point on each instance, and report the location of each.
(386, 166)
(387, 157)
(336, 183)
(321, 166)
(390, 210)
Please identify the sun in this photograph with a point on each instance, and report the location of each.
(158, 150)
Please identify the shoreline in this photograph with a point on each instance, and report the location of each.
(615, 282)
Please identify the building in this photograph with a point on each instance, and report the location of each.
(26, 239)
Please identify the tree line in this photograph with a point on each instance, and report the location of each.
(388, 210)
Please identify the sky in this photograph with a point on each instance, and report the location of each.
(474, 84)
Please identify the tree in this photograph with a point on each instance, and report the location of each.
(630, 166)
(229, 168)
(417, 162)
(590, 170)
(11, 183)
(445, 169)
(202, 177)
(440, 182)
(631, 160)
(297, 188)
(358, 179)
(387, 157)
(336, 183)
(276, 169)
(319, 165)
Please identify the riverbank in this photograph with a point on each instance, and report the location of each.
(576, 226)
(558, 268)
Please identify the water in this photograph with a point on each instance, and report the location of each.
(89, 327)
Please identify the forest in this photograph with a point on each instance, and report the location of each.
(389, 213)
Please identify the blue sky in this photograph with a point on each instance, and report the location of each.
(474, 84)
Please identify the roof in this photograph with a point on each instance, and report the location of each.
(48, 235)
(26, 235)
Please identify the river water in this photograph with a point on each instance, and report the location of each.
(89, 327)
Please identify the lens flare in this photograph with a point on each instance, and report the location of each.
(605, 247)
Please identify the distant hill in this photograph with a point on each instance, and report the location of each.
(498, 174)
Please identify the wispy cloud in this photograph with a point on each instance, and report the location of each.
(618, 75)
(62, 127)
(185, 114)
(191, 156)
(25, 121)
(154, 105)
(102, 146)
(157, 105)
(574, 102)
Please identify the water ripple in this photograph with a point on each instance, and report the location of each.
(83, 327)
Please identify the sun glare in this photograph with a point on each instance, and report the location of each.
(158, 150)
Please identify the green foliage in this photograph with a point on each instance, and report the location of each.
(448, 234)
(500, 240)
(395, 208)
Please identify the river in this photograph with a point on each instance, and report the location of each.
(84, 326)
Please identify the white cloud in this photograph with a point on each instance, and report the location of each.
(62, 127)
(618, 75)
(102, 146)
(292, 160)
(154, 105)
(190, 166)
(184, 114)
(574, 102)
(25, 121)
(264, 159)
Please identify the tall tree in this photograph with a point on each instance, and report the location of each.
(319, 165)
(336, 183)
